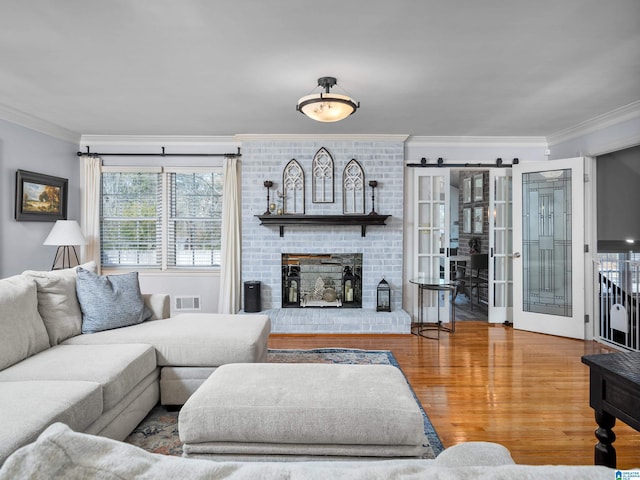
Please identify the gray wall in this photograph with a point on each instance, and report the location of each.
(618, 184)
(24, 149)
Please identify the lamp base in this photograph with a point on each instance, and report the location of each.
(64, 253)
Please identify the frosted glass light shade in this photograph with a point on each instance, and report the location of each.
(65, 232)
(327, 107)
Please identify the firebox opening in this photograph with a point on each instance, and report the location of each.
(321, 280)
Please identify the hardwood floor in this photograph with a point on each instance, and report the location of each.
(527, 391)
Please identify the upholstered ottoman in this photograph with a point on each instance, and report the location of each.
(301, 411)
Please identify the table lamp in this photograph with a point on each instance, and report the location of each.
(66, 234)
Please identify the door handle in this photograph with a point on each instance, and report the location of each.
(516, 254)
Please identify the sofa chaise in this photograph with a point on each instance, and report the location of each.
(103, 383)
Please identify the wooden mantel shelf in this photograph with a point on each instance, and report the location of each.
(293, 219)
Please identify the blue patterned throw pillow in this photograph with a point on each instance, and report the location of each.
(109, 301)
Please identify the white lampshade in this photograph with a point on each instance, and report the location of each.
(65, 232)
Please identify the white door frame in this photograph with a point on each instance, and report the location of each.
(431, 233)
(500, 275)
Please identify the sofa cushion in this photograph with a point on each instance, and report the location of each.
(22, 332)
(27, 408)
(194, 339)
(118, 368)
(61, 453)
(158, 305)
(469, 454)
(109, 301)
(57, 301)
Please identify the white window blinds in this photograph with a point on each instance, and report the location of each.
(194, 222)
(161, 219)
(131, 217)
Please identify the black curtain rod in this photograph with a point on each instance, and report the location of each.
(423, 163)
(163, 154)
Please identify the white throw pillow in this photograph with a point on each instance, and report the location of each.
(57, 301)
(22, 331)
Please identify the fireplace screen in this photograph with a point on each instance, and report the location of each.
(321, 280)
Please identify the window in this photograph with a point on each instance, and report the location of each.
(195, 219)
(161, 218)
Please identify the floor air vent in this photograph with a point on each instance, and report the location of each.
(187, 303)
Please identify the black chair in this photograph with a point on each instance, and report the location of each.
(475, 276)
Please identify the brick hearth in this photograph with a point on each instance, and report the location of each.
(338, 320)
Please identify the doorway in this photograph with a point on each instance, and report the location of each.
(459, 219)
(469, 227)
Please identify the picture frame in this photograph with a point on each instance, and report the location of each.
(478, 194)
(466, 220)
(477, 219)
(40, 197)
(466, 190)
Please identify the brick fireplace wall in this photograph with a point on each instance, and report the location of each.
(382, 159)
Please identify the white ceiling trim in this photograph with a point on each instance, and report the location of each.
(489, 141)
(609, 119)
(39, 125)
(324, 138)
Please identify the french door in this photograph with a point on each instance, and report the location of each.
(431, 234)
(500, 298)
(548, 243)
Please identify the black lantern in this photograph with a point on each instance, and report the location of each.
(348, 287)
(291, 294)
(384, 296)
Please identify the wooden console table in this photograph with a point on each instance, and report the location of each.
(614, 392)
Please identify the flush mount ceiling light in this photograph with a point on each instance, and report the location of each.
(326, 106)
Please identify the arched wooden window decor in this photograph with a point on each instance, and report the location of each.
(293, 186)
(322, 180)
(353, 188)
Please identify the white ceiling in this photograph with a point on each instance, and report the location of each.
(225, 67)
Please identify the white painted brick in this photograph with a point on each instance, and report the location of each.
(381, 248)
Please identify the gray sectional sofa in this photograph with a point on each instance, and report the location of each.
(103, 383)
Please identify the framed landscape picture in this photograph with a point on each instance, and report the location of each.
(40, 198)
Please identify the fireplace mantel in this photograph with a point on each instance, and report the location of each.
(342, 220)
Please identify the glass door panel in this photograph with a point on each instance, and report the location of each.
(546, 242)
(549, 239)
(431, 234)
(500, 241)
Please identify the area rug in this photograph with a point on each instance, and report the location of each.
(158, 432)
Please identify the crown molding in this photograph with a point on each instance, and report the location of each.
(249, 137)
(31, 122)
(476, 141)
(609, 119)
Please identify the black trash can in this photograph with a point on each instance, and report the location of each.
(252, 297)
